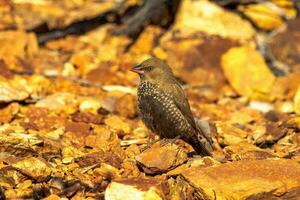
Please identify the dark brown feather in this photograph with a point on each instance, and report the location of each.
(164, 107)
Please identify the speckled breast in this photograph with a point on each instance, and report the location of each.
(159, 112)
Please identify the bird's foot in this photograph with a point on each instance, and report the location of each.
(150, 142)
(165, 141)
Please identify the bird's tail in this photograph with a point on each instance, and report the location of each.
(203, 143)
(201, 146)
(204, 129)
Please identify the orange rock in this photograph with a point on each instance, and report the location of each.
(87, 117)
(126, 106)
(105, 140)
(240, 180)
(117, 124)
(84, 62)
(161, 158)
(16, 46)
(9, 112)
(78, 128)
(246, 151)
(39, 119)
(145, 42)
(130, 168)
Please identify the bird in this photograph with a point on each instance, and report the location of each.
(164, 107)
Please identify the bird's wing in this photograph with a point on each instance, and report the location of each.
(182, 104)
(180, 100)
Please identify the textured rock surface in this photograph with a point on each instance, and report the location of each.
(161, 158)
(238, 63)
(204, 16)
(258, 179)
(34, 167)
(263, 16)
(69, 125)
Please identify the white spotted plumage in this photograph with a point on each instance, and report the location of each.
(160, 111)
(164, 107)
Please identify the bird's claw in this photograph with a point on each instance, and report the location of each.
(165, 141)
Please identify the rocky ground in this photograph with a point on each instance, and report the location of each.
(69, 126)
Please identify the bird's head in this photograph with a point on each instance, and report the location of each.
(153, 69)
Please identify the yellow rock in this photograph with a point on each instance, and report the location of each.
(268, 15)
(248, 73)
(146, 40)
(117, 123)
(263, 16)
(84, 61)
(20, 88)
(17, 44)
(229, 134)
(285, 107)
(25, 184)
(287, 7)
(59, 101)
(69, 153)
(35, 168)
(285, 87)
(138, 189)
(106, 170)
(207, 17)
(89, 104)
(297, 101)
(113, 46)
(160, 53)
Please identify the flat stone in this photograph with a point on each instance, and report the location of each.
(229, 134)
(10, 93)
(35, 168)
(161, 158)
(205, 16)
(246, 179)
(59, 101)
(87, 117)
(194, 162)
(138, 189)
(20, 88)
(246, 151)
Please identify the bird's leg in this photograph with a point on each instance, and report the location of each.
(166, 141)
(151, 139)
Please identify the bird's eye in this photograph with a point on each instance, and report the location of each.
(150, 68)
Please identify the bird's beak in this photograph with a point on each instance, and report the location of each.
(137, 69)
